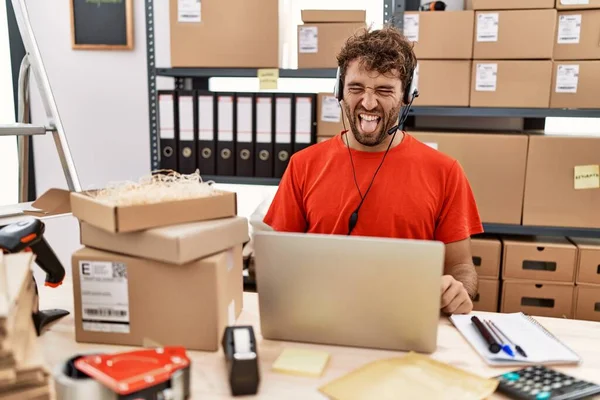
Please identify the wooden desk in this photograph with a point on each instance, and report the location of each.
(208, 371)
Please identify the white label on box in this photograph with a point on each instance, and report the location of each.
(308, 41)
(486, 78)
(411, 27)
(104, 296)
(567, 78)
(487, 27)
(571, 2)
(569, 29)
(330, 109)
(189, 11)
(231, 313)
(433, 145)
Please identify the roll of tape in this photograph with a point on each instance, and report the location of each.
(74, 385)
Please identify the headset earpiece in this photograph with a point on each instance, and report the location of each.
(338, 90)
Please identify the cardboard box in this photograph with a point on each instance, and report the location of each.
(440, 35)
(487, 295)
(319, 44)
(495, 167)
(578, 35)
(514, 34)
(225, 33)
(487, 257)
(151, 302)
(577, 5)
(499, 83)
(575, 84)
(329, 116)
(176, 244)
(549, 259)
(435, 89)
(587, 303)
(323, 34)
(538, 298)
(588, 260)
(562, 186)
(511, 4)
(139, 217)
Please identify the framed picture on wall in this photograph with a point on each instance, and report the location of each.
(102, 24)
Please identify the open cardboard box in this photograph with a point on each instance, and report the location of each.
(139, 217)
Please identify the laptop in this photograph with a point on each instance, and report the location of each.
(369, 292)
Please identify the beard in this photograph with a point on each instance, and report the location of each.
(384, 124)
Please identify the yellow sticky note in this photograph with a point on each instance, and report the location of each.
(301, 362)
(268, 78)
(587, 176)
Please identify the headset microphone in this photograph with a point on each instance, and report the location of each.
(403, 114)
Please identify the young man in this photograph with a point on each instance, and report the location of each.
(413, 190)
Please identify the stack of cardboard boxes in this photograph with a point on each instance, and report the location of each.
(587, 279)
(487, 255)
(160, 274)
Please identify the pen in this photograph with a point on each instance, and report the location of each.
(494, 347)
(517, 347)
(505, 347)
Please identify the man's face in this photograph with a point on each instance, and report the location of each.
(372, 102)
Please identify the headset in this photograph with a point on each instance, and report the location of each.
(408, 97)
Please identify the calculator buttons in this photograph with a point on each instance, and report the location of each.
(511, 376)
(567, 382)
(535, 391)
(543, 396)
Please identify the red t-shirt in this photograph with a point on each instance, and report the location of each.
(419, 193)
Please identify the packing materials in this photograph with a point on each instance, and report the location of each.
(486, 257)
(540, 259)
(435, 89)
(562, 184)
(511, 4)
(578, 36)
(145, 301)
(153, 202)
(22, 370)
(538, 298)
(494, 165)
(588, 260)
(224, 33)
(502, 83)
(487, 295)
(412, 376)
(323, 33)
(577, 4)
(587, 302)
(575, 84)
(440, 35)
(177, 244)
(329, 116)
(514, 34)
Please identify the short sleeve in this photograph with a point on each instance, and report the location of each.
(286, 212)
(459, 217)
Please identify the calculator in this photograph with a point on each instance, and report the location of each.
(542, 383)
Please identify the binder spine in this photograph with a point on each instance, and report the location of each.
(205, 119)
(185, 111)
(225, 139)
(167, 101)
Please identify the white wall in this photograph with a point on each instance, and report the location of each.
(9, 178)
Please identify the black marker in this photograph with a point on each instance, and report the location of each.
(494, 347)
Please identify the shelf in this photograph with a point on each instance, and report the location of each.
(243, 72)
(241, 180)
(505, 229)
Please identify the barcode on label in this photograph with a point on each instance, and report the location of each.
(119, 270)
(105, 312)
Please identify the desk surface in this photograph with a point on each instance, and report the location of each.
(208, 373)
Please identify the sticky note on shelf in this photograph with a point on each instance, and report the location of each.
(301, 362)
(267, 78)
(587, 176)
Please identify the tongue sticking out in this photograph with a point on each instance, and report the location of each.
(368, 126)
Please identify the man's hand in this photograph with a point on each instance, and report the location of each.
(455, 299)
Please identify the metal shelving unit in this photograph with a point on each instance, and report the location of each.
(198, 78)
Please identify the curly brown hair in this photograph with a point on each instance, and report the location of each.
(382, 50)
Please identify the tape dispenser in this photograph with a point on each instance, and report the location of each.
(241, 360)
(156, 374)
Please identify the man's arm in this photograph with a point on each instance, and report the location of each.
(460, 282)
